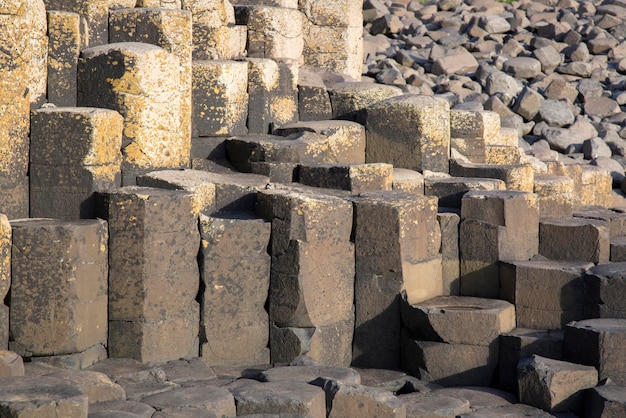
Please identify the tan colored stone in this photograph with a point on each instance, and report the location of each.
(137, 79)
(450, 190)
(273, 32)
(164, 4)
(355, 178)
(405, 180)
(458, 319)
(97, 386)
(409, 131)
(41, 397)
(211, 192)
(63, 52)
(5, 255)
(273, 94)
(516, 177)
(397, 242)
(10, 364)
(353, 400)
(59, 282)
(280, 398)
(172, 31)
(351, 97)
(94, 16)
(336, 48)
(346, 139)
(555, 195)
(220, 98)
(574, 239)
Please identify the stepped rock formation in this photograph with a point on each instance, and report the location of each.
(321, 208)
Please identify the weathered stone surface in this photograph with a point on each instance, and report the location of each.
(136, 79)
(479, 397)
(521, 343)
(214, 35)
(355, 178)
(63, 52)
(121, 409)
(393, 253)
(554, 385)
(405, 180)
(508, 411)
(348, 399)
(11, 364)
(605, 401)
(273, 94)
(546, 294)
(555, 195)
(273, 32)
(451, 267)
(93, 19)
(496, 225)
(422, 405)
(153, 242)
(171, 30)
(332, 34)
(97, 386)
(472, 132)
(188, 371)
(74, 361)
(59, 282)
(307, 374)
(313, 98)
(605, 290)
(75, 152)
(515, 176)
(280, 398)
(327, 345)
(409, 131)
(449, 364)
(346, 139)
(6, 235)
(310, 249)
(599, 343)
(201, 400)
(349, 99)
(235, 269)
(458, 319)
(450, 190)
(36, 396)
(574, 239)
(220, 97)
(211, 192)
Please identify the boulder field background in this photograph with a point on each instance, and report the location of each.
(312, 208)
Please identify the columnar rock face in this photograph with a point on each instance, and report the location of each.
(472, 132)
(312, 278)
(40, 396)
(273, 32)
(349, 99)
(605, 288)
(397, 243)
(74, 152)
(5, 277)
(15, 77)
(142, 82)
(235, 270)
(220, 98)
(63, 52)
(332, 33)
(560, 300)
(273, 94)
(600, 343)
(574, 239)
(94, 15)
(215, 35)
(409, 131)
(153, 244)
(171, 30)
(495, 225)
(59, 286)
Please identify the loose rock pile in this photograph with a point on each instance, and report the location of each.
(208, 213)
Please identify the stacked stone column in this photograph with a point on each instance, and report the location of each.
(171, 30)
(154, 277)
(74, 153)
(142, 82)
(94, 15)
(59, 290)
(332, 33)
(235, 269)
(63, 52)
(15, 78)
(5, 278)
(397, 241)
(312, 276)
